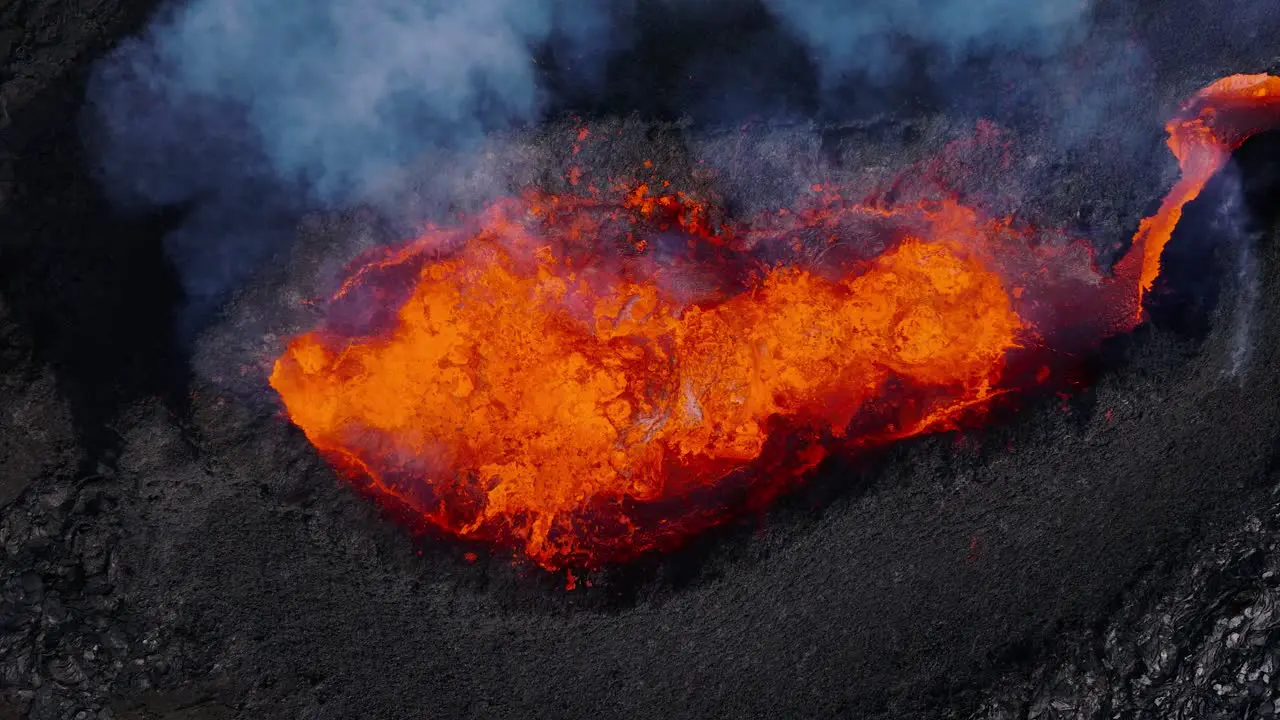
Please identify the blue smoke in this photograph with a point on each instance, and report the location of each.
(250, 111)
(326, 95)
(866, 37)
(332, 97)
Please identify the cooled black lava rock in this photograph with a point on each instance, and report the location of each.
(173, 548)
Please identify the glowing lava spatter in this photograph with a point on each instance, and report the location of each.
(586, 378)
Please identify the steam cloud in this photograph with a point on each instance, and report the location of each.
(249, 110)
(867, 37)
(333, 95)
(329, 95)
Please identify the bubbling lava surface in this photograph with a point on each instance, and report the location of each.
(588, 377)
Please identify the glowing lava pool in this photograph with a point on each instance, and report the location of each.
(587, 378)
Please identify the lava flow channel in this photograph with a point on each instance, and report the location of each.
(525, 383)
(1212, 125)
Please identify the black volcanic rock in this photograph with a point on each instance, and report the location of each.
(37, 438)
(172, 548)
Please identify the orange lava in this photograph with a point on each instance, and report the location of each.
(521, 398)
(587, 378)
(1212, 125)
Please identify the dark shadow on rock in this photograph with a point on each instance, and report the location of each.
(91, 290)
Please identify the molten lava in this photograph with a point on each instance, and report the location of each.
(586, 378)
(1212, 125)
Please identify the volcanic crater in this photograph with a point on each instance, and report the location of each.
(175, 547)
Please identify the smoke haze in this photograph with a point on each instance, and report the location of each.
(331, 96)
(251, 110)
(326, 95)
(867, 37)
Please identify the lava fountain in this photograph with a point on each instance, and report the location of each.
(585, 378)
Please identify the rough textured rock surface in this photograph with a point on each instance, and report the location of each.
(173, 549)
(37, 438)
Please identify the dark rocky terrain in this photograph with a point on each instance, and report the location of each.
(172, 548)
